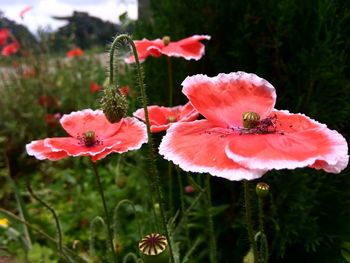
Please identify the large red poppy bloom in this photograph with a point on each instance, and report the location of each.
(162, 117)
(227, 145)
(187, 48)
(91, 134)
(10, 49)
(76, 52)
(4, 33)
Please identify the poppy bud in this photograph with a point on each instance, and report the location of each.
(114, 105)
(262, 189)
(154, 249)
(250, 119)
(166, 40)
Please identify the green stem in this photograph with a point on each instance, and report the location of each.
(155, 181)
(170, 190)
(170, 78)
(248, 217)
(212, 242)
(263, 253)
(108, 221)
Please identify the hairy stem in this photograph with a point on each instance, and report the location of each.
(154, 177)
(211, 233)
(248, 217)
(108, 221)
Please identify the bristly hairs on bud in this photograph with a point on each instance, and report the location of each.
(153, 178)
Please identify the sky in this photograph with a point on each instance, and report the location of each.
(42, 11)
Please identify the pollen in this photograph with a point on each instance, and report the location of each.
(250, 119)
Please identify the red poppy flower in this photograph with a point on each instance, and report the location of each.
(4, 33)
(124, 90)
(162, 117)
(76, 52)
(52, 119)
(243, 136)
(91, 134)
(94, 87)
(187, 48)
(10, 49)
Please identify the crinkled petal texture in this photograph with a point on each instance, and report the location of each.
(187, 48)
(128, 134)
(79, 122)
(162, 117)
(298, 142)
(146, 48)
(198, 147)
(223, 99)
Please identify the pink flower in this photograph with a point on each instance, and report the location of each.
(187, 48)
(76, 52)
(92, 135)
(94, 87)
(189, 189)
(24, 11)
(161, 118)
(4, 33)
(10, 49)
(227, 145)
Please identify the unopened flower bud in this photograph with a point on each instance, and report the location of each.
(114, 105)
(262, 189)
(166, 40)
(250, 119)
(154, 249)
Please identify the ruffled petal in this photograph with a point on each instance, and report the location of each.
(223, 99)
(188, 48)
(146, 48)
(161, 118)
(131, 135)
(79, 122)
(197, 147)
(298, 142)
(42, 152)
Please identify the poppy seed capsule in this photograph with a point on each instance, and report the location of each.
(262, 189)
(250, 119)
(89, 138)
(114, 105)
(154, 249)
(166, 40)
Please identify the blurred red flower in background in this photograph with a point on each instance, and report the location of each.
(124, 90)
(4, 33)
(76, 52)
(94, 87)
(10, 49)
(187, 48)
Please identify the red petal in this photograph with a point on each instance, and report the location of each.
(299, 142)
(131, 135)
(4, 33)
(196, 147)
(146, 48)
(79, 122)
(223, 99)
(41, 152)
(159, 116)
(188, 48)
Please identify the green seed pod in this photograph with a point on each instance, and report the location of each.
(166, 40)
(114, 105)
(154, 249)
(250, 119)
(262, 189)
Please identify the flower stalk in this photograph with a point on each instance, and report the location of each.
(212, 241)
(154, 177)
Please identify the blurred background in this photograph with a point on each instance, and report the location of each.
(301, 47)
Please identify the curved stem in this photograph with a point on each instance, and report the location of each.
(108, 221)
(155, 181)
(248, 216)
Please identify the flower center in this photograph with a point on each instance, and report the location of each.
(166, 40)
(89, 138)
(171, 119)
(153, 244)
(250, 119)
